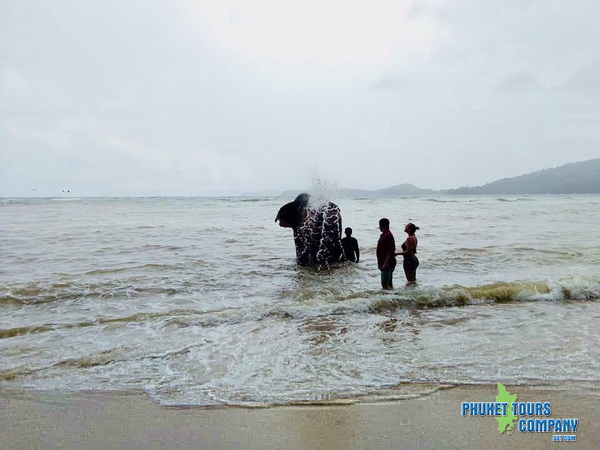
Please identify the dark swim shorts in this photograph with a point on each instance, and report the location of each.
(386, 275)
(410, 262)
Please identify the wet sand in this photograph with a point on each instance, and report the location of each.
(128, 420)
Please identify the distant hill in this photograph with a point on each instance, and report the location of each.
(574, 178)
(398, 190)
(403, 189)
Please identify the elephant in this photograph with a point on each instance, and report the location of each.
(317, 231)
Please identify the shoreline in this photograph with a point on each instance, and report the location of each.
(131, 419)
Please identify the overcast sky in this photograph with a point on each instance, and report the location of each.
(219, 97)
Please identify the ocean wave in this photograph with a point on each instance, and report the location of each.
(133, 318)
(150, 266)
(14, 201)
(102, 358)
(437, 200)
(244, 199)
(512, 200)
(315, 305)
(254, 200)
(20, 331)
(116, 355)
(41, 292)
(379, 395)
(37, 292)
(573, 289)
(465, 258)
(330, 295)
(15, 373)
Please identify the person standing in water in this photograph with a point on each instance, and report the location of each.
(409, 253)
(350, 247)
(386, 248)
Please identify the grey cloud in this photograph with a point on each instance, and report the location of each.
(391, 83)
(130, 98)
(520, 83)
(417, 8)
(583, 81)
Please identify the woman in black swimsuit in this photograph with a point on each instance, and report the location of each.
(409, 252)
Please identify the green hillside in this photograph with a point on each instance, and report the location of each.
(574, 178)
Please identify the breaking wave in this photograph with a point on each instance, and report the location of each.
(317, 303)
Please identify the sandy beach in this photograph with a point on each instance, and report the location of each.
(34, 419)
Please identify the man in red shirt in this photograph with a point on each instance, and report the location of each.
(386, 248)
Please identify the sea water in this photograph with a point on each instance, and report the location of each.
(199, 301)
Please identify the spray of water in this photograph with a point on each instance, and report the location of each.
(322, 191)
(323, 222)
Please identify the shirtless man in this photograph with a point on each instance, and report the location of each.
(350, 247)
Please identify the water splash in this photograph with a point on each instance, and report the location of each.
(322, 191)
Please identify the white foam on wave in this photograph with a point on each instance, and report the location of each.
(575, 288)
